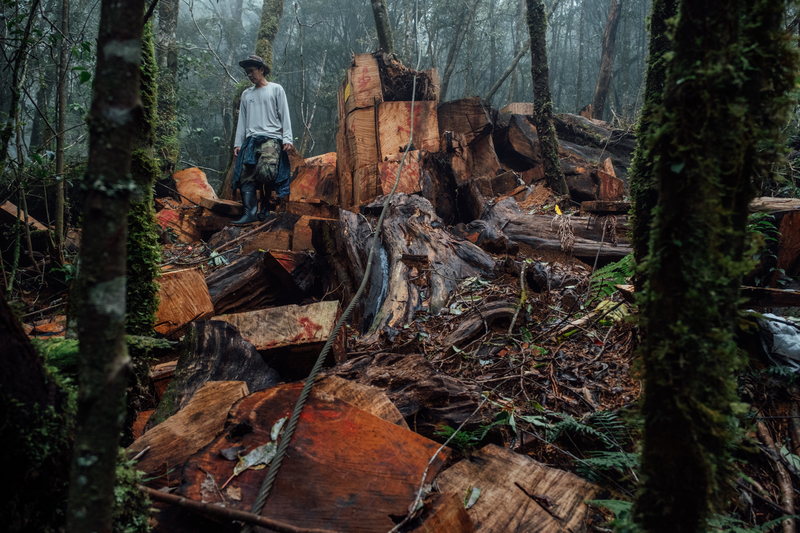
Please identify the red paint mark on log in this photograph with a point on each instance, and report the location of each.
(166, 217)
(364, 79)
(309, 329)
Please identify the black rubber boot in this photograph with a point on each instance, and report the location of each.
(250, 203)
(264, 212)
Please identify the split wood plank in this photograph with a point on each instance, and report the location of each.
(192, 185)
(343, 487)
(446, 515)
(172, 442)
(183, 298)
(371, 399)
(516, 492)
(361, 138)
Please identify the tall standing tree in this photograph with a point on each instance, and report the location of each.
(383, 26)
(606, 60)
(114, 118)
(542, 99)
(725, 102)
(271, 13)
(167, 141)
(62, 125)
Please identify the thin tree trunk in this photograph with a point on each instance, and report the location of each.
(579, 82)
(383, 26)
(104, 364)
(58, 256)
(542, 99)
(455, 46)
(607, 60)
(271, 14)
(167, 141)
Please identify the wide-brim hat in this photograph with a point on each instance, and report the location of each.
(254, 61)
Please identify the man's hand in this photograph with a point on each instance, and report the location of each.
(236, 151)
(287, 147)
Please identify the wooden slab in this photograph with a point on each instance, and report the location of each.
(446, 515)
(345, 470)
(312, 208)
(515, 490)
(361, 138)
(370, 399)
(469, 116)
(611, 188)
(291, 337)
(316, 182)
(183, 298)
(244, 285)
(377, 180)
(194, 426)
(8, 211)
(193, 185)
(222, 207)
(362, 87)
(181, 222)
(394, 127)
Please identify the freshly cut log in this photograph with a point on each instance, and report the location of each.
(470, 160)
(192, 185)
(209, 222)
(540, 232)
(316, 179)
(589, 157)
(222, 207)
(519, 494)
(172, 442)
(360, 135)
(183, 298)
(181, 222)
(291, 337)
(366, 397)
(362, 87)
(378, 180)
(517, 143)
(469, 116)
(312, 208)
(583, 131)
(244, 285)
(212, 350)
(394, 127)
(611, 188)
(274, 236)
(8, 212)
(518, 108)
(294, 272)
(357, 485)
(343, 167)
(427, 399)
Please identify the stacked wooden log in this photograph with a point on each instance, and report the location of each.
(375, 122)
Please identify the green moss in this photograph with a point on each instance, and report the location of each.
(271, 14)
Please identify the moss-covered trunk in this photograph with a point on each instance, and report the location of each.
(144, 252)
(725, 101)
(606, 60)
(383, 26)
(542, 99)
(167, 142)
(114, 119)
(271, 14)
(643, 184)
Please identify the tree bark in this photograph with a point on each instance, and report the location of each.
(271, 14)
(643, 184)
(607, 60)
(579, 82)
(167, 142)
(104, 364)
(455, 45)
(383, 26)
(58, 256)
(542, 99)
(724, 55)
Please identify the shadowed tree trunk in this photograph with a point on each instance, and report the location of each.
(271, 14)
(58, 257)
(167, 142)
(542, 99)
(455, 46)
(607, 60)
(729, 78)
(114, 119)
(581, 40)
(644, 187)
(383, 26)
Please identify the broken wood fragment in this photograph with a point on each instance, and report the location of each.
(244, 285)
(227, 208)
(183, 298)
(192, 185)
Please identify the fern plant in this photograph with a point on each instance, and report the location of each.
(603, 281)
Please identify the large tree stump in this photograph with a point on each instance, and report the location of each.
(394, 127)
(192, 185)
(212, 350)
(516, 143)
(469, 116)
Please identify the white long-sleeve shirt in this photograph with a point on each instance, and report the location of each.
(264, 111)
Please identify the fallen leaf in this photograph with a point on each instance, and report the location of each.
(234, 493)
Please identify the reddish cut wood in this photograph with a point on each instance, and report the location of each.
(394, 127)
(193, 185)
(345, 470)
(9, 213)
(469, 116)
(181, 222)
(611, 189)
(362, 87)
(222, 207)
(361, 138)
(312, 208)
(316, 181)
(183, 298)
(446, 514)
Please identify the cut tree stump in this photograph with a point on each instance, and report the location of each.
(472, 117)
(316, 179)
(357, 485)
(362, 85)
(212, 350)
(192, 185)
(519, 494)
(446, 514)
(371, 399)
(183, 298)
(176, 439)
(291, 337)
(378, 179)
(426, 399)
(273, 236)
(394, 127)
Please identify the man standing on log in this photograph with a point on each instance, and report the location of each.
(263, 139)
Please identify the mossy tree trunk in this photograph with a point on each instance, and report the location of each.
(114, 120)
(383, 26)
(167, 142)
(606, 60)
(271, 14)
(542, 99)
(144, 251)
(644, 188)
(725, 101)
